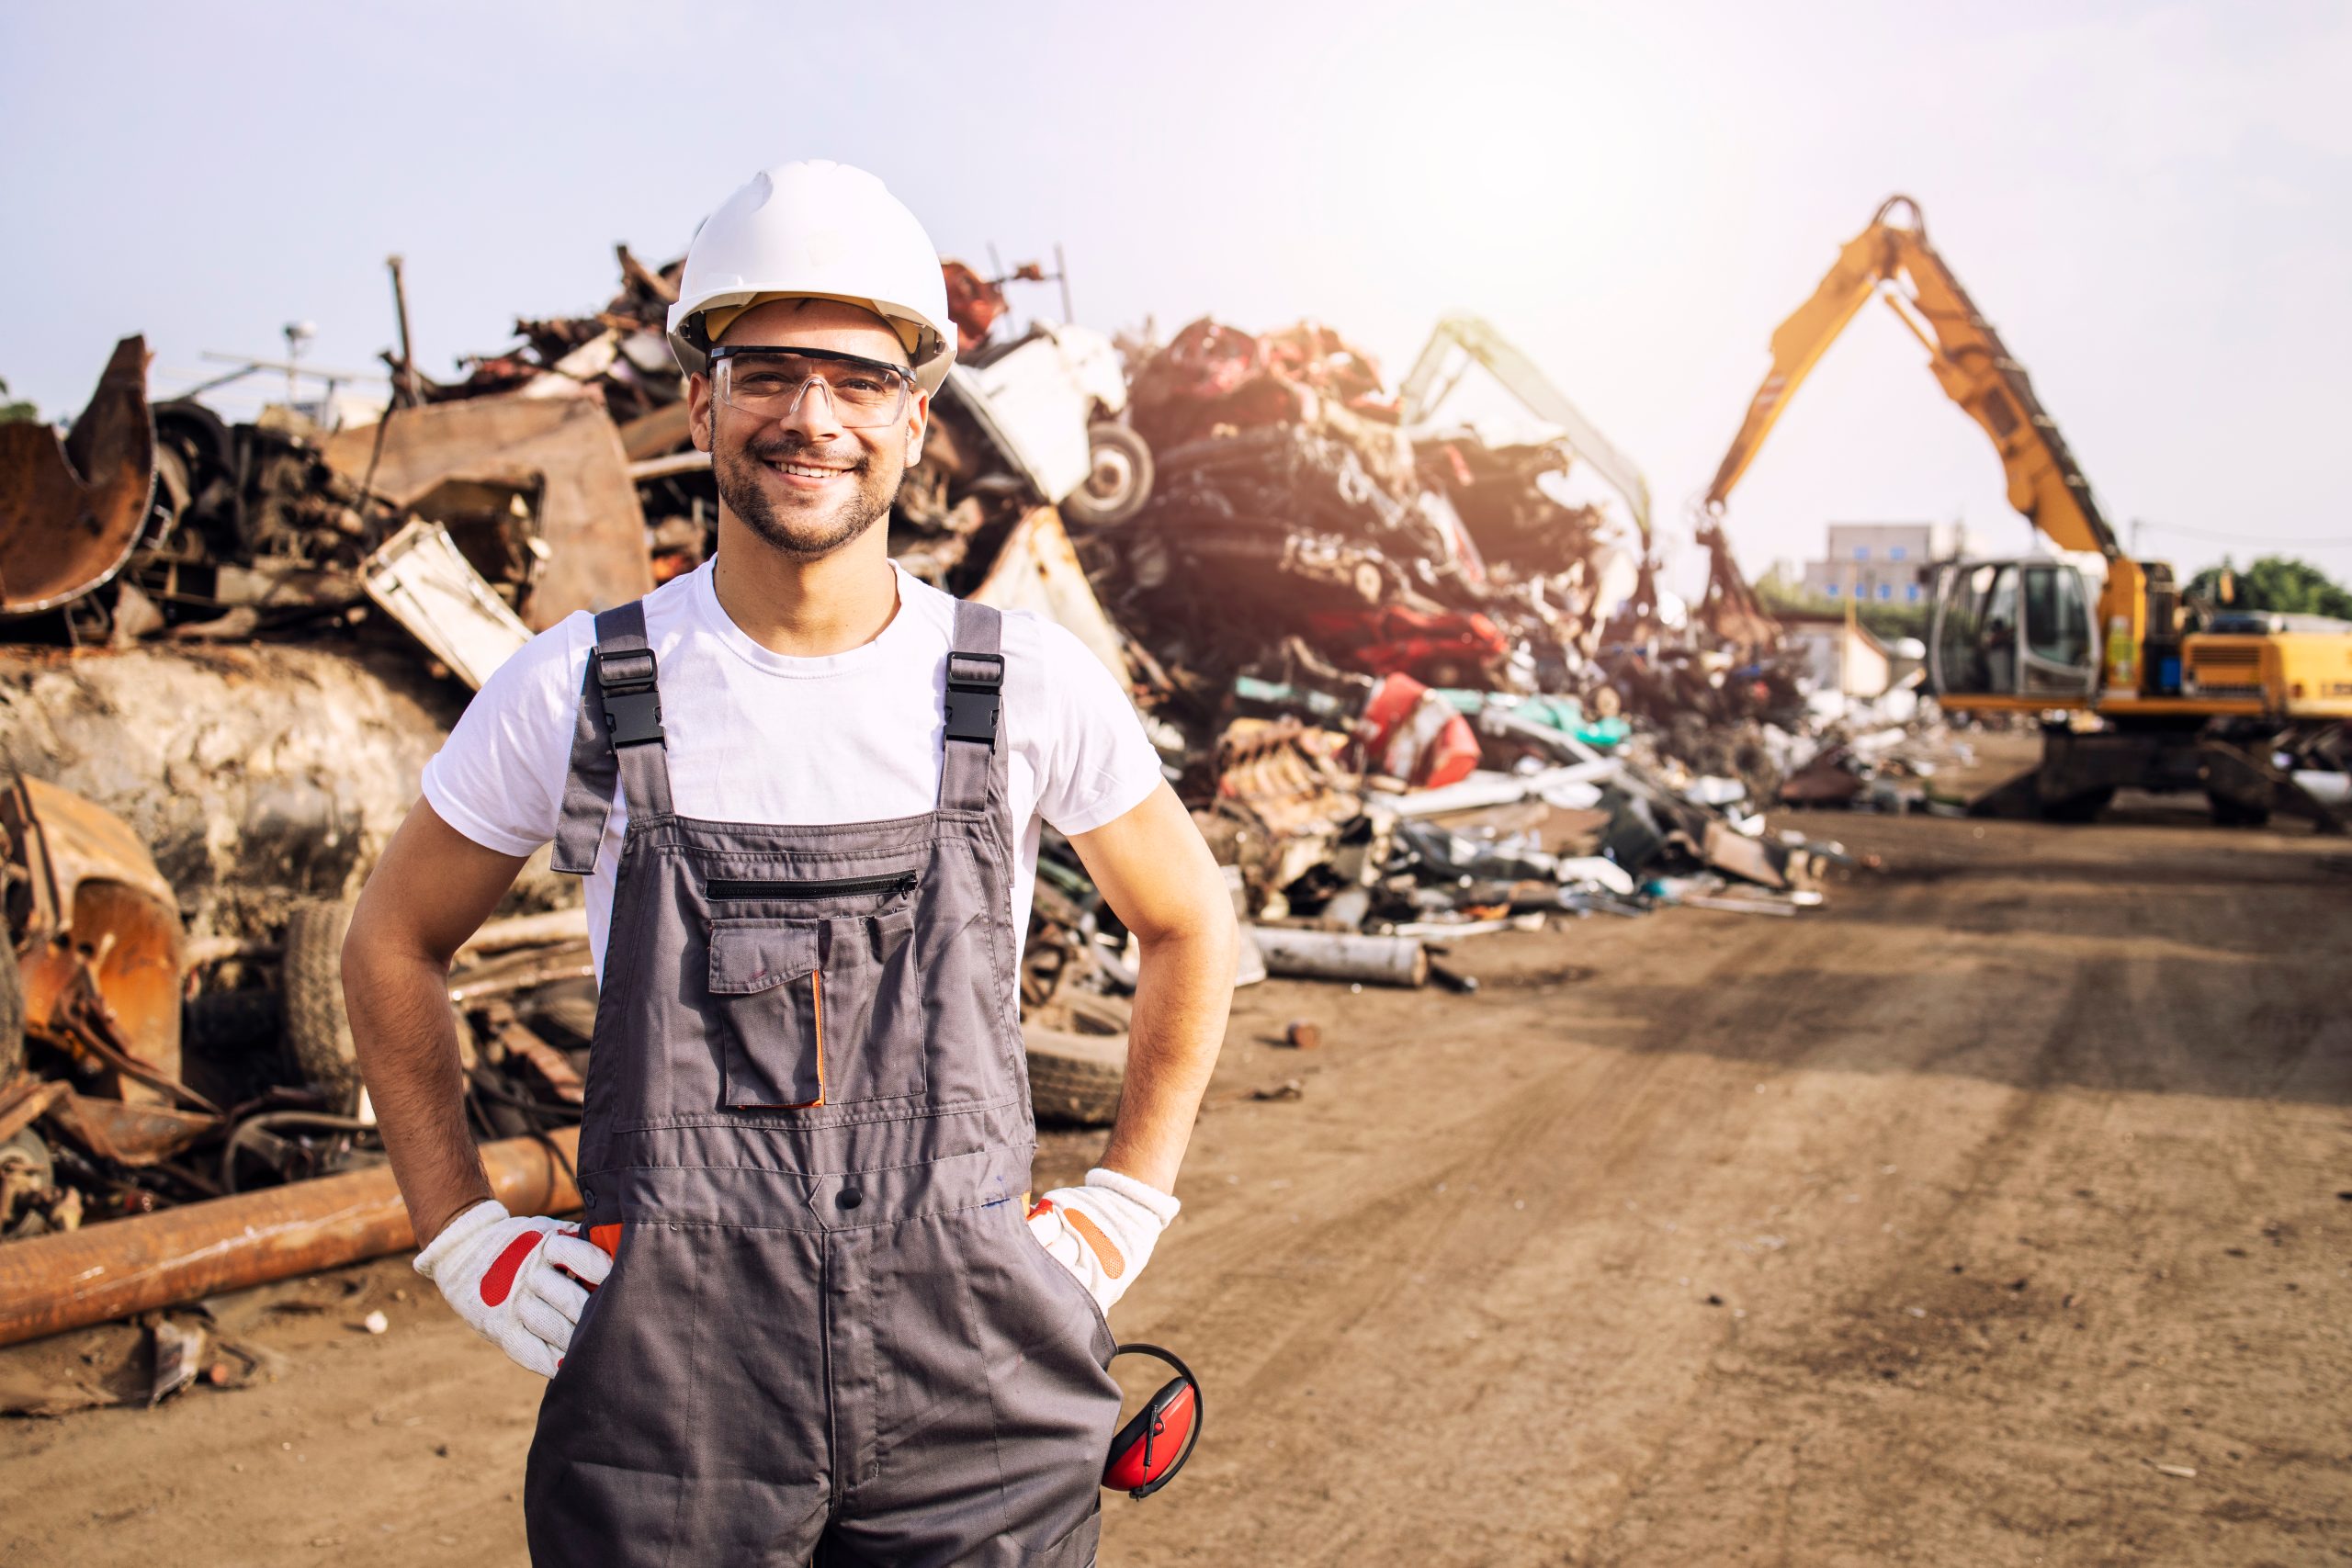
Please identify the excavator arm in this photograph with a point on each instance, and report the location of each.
(1894, 262)
(1479, 342)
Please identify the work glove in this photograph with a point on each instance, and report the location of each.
(1104, 1232)
(518, 1282)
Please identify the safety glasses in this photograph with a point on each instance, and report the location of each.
(768, 383)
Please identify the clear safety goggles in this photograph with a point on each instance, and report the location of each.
(768, 383)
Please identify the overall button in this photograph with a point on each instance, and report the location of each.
(849, 1198)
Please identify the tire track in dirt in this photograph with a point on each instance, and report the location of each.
(2060, 1115)
(1418, 1257)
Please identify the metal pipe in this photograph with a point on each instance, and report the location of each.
(673, 463)
(51, 1284)
(529, 931)
(1341, 955)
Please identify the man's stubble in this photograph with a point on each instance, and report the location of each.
(738, 469)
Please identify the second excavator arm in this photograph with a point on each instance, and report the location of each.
(1421, 393)
(1894, 262)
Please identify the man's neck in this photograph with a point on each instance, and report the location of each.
(805, 609)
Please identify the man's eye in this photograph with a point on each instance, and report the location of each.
(762, 383)
(863, 385)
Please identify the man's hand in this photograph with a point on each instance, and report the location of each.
(518, 1282)
(1104, 1232)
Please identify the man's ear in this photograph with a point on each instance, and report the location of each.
(698, 411)
(918, 422)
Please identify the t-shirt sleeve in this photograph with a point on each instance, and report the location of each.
(1100, 764)
(498, 777)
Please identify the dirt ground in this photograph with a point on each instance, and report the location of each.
(1998, 1212)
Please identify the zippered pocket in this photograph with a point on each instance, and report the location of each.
(732, 889)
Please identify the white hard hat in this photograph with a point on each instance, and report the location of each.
(815, 230)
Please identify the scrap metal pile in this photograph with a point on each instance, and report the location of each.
(1412, 691)
(1393, 685)
(1288, 502)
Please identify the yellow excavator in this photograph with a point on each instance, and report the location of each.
(2136, 689)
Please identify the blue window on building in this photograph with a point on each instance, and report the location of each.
(1861, 552)
(1834, 590)
(1911, 593)
(1894, 552)
(1886, 591)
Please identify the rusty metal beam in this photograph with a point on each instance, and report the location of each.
(52, 1283)
(71, 510)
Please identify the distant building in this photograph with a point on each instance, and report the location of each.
(1881, 560)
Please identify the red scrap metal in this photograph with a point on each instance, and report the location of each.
(1214, 376)
(1443, 647)
(974, 304)
(1315, 356)
(1412, 733)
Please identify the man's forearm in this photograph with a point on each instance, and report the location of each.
(1183, 992)
(407, 1043)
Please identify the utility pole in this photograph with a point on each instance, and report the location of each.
(404, 389)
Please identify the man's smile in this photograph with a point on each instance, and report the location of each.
(803, 473)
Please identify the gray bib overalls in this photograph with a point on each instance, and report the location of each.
(827, 1332)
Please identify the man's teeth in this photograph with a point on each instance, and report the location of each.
(810, 470)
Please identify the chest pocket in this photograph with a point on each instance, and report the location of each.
(817, 1012)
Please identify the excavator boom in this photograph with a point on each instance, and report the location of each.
(2177, 707)
(1895, 261)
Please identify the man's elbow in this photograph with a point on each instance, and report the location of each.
(379, 953)
(1202, 926)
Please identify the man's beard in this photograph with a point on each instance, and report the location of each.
(790, 530)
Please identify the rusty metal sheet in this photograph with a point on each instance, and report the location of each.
(589, 517)
(70, 509)
(545, 1060)
(127, 1134)
(101, 907)
(1285, 780)
(23, 1102)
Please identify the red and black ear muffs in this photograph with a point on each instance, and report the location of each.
(1157, 1440)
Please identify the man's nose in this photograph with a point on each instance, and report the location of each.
(812, 415)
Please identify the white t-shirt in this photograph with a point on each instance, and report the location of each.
(756, 737)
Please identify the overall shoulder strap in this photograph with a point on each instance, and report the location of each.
(975, 717)
(617, 736)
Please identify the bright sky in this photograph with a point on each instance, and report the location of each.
(2153, 203)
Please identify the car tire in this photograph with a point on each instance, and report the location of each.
(1075, 1079)
(318, 1029)
(1119, 479)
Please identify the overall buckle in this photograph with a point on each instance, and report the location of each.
(974, 684)
(632, 704)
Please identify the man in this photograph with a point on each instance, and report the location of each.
(802, 1314)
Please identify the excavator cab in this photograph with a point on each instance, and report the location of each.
(2019, 630)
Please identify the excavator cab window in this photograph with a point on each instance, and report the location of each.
(2057, 631)
(2012, 629)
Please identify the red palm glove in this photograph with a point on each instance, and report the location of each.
(518, 1282)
